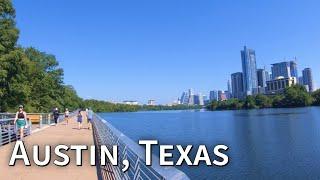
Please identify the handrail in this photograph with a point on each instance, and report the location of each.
(8, 130)
(106, 134)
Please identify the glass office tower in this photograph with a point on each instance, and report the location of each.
(249, 70)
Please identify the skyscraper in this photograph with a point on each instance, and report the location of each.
(229, 90)
(308, 79)
(262, 78)
(184, 98)
(237, 85)
(268, 75)
(198, 100)
(191, 97)
(213, 95)
(285, 69)
(281, 69)
(300, 80)
(294, 69)
(249, 70)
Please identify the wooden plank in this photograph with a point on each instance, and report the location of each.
(34, 118)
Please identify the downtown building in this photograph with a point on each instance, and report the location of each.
(213, 96)
(189, 98)
(284, 74)
(278, 85)
(308, 79)
(284, 69)
(262, 77)
(249, 70)
(184, 98)
(198, 99)
(237, 85)
(222, 96)
(151, 102)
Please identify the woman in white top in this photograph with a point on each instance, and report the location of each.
(66, 115)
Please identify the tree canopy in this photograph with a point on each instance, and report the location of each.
(295, 96)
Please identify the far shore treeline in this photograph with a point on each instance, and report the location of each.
(295, 96)
(34, 79)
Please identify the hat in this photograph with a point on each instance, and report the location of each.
(20, 106)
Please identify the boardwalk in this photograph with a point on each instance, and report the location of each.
(61, 134)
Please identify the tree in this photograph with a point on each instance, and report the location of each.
(213, 105)
(8, 55)
(9, 34)
(250, 103)
(277, 101)
(296, 96)
(316, 97)
(262, 101)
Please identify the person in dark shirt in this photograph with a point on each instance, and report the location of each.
(79, 120)
(56, 116)
(21, 121)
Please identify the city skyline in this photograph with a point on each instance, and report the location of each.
(157, 55)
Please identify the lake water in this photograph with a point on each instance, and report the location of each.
(263, 144)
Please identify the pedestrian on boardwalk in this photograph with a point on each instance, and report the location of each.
(56, 116)
(66, 115)
(79, 119)
(21, 121)
(89, 117)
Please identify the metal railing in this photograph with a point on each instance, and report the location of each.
(9, 131)
(105, 134)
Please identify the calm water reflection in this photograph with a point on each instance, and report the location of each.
(264, 144)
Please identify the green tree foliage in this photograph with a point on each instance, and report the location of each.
(316, 97)
(47, 89)
(9, 55)
(262, 101)
(232, 104)
(103, 106)
(8, 32)
(277, 101)
(164, 107)
(250, 102)
(295, 96)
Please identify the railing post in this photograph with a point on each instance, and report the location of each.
(0, 135)
(9, 132)
(40, 121)
(30, 127)
(49, 119)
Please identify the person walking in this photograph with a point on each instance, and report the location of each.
(66, 115)
(79, 120)
(56, 116)
(89, 117)
(21, 121)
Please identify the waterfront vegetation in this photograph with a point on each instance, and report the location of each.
(103, 106)
(295, 96)
(164, 107)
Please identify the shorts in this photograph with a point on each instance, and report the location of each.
(89, 120)
(79, 120)
(21, 123)
(66, 116)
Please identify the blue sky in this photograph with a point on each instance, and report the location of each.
(143, 49)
